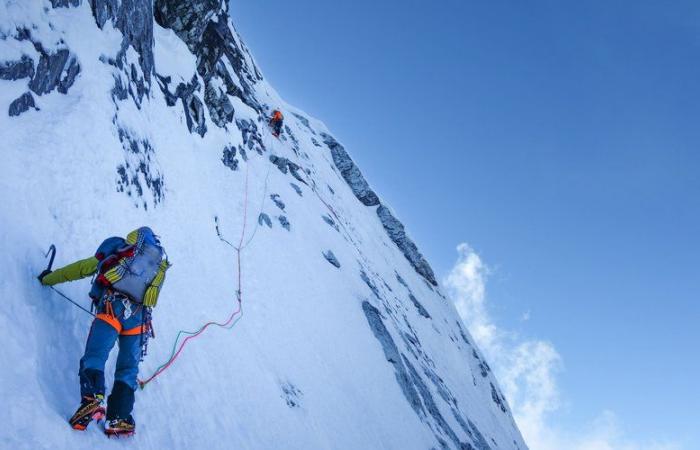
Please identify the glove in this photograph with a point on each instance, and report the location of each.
(42, 275)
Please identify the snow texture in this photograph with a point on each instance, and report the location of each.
(121, 113)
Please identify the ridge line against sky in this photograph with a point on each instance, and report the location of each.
(560, 140)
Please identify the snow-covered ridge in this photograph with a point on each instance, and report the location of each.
(118, 113)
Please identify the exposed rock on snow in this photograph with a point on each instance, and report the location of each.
(244, 155)
(329, 220)
(350, 172)
(277, 201)
(483, 365)
(119, 91)
(370, 284)
(15, 70)
(284, 165)
(461, 333)
(397, 233)
(64, 3)
(366, 195)
(433, 409)
(192, 105)
(421, 310)
(22, 104)
(229, 158)
(412, 385)
(284, 222)
(391, 352)
(134, 18)
(330, 257)
(419, 307)
(295, 142)
(55, 70)
(187, 19)
(250, 135)
(194, 111)
(297, 189)
(304, 121)
(498, 398)
(291, 395)
(139, 170)
(204, 27)
(220, 107)
(264, 219)
(401, 281)
(163, 83)
(352, 175)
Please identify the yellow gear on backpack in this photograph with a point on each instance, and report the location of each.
(150, 298)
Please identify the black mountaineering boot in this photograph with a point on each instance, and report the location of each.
(119, 406)
(120, 427)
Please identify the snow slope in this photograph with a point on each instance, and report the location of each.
(111, 120)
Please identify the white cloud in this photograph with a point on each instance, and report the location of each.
(468, 279)
(527, 370)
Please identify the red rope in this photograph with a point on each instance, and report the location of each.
(164, 367)
(239, 298)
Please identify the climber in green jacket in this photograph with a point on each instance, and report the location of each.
(75, 271)
(128, 276)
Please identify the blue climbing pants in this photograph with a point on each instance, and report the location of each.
(119, 319)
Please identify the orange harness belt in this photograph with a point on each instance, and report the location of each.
(109, 317)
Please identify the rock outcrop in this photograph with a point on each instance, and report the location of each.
(397, 233)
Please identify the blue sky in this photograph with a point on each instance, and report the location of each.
(561, 141)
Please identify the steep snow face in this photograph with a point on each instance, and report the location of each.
(117, 114)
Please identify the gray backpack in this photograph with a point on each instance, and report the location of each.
(139, 266)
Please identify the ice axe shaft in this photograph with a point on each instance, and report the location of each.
(52, 252)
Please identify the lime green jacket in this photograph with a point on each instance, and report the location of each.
(88, 267)
(79, 269)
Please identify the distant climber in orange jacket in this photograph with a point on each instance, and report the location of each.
(276, 122)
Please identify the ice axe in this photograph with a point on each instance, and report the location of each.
(52, 253)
